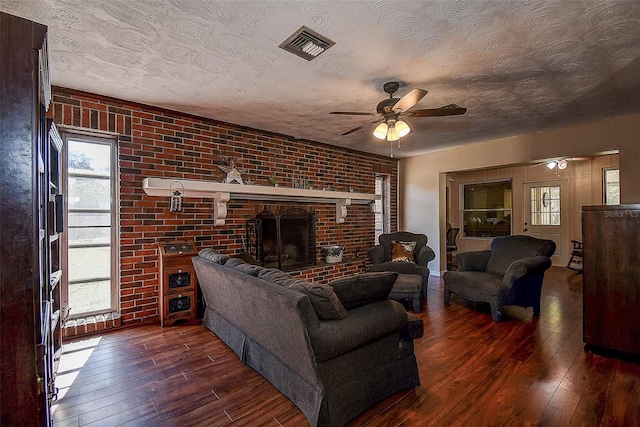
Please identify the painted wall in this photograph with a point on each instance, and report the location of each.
(422, 183)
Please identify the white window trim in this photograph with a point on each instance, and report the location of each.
(115, 221)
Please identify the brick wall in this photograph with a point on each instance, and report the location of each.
(154, 142)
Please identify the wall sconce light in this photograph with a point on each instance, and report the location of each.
(176, 197)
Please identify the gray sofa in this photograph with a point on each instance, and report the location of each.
(331, 369)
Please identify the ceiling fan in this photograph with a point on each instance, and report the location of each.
(559, 164)
(391, 111)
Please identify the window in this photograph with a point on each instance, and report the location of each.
(382, 207)
(487, 209)
(545, 205)
(92, 232)
(611, 186)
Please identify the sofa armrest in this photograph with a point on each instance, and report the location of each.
(526, 267)
(473, 260)
(414, 328)
(425, 254)
(376, 253)
(363, 325)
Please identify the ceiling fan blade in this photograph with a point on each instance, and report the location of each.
(578, 159)
(353, 113)
(409, 100)
(362, 126)
(446, 110)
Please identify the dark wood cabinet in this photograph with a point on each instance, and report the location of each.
(611, 290)
(177, 287)
(30, 227)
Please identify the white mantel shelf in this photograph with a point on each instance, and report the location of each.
(221, 193)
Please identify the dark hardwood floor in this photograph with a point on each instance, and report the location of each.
(474, 372)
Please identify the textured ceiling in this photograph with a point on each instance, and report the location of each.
(517, 66)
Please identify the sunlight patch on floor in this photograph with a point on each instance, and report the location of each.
(75, 355)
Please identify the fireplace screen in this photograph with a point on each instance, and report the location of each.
(286, 241)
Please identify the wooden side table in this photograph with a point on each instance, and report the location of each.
(177, 283)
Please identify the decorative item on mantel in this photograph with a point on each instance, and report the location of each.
(176, 197)
(234, 175)
(274, 181)
(333, 253)
(303, 183)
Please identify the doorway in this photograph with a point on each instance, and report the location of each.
(545, 215)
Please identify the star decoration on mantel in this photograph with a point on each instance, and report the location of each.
(234, 175)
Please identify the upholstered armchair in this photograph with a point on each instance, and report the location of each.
(406, 259)
(510, 273)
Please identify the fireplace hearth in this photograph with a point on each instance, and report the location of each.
(284, 240)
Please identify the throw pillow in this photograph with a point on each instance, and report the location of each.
(402, 251)
(213, 255)
(324, 301)
(364, 288)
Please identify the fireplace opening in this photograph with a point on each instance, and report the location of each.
(285, 240)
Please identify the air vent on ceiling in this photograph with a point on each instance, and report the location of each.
(306, 43)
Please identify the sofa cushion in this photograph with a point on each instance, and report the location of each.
(213, 255)
(234, 262)
(364, 288)
(250, 269)
(246, 257)
(278, 277)
(476, 285)
(403, 251)
(325, 302)
(363, 325)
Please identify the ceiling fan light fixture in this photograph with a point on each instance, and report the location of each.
(392, 134)
(381, 131)
(551, 164)
(562, 164)
(402, 128)
(391, 127)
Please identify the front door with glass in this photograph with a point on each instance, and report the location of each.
(545, 215)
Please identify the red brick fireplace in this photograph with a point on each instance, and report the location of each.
(159, 143)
